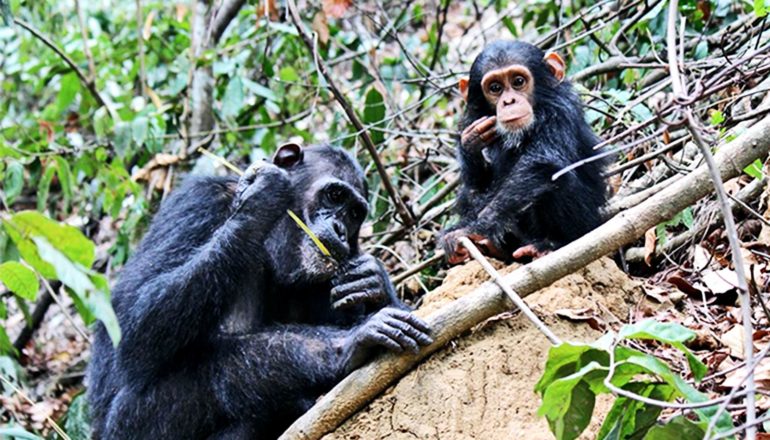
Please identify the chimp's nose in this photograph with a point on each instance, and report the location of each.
(339, 229)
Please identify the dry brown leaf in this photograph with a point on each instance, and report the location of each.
(267, 8)
(586, 314)
(40, 411)
(733, 340)
(321, 27)
(336, 8)
(181, 11)
(721, 281)
(650, 240)
(156, 166)
(761, 376)
(701, 258)
(147, 30)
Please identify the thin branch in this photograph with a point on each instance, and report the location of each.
(513, 296)
(84, 35)
(140, 48)
(403, 211)
(224, 15)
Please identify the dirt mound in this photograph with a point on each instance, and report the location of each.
(481, 386)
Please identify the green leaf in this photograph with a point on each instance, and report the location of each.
(65, 238)
(5, 11)
(679, 428)
(232, 101)
(77, 424)
(28, 250)
(14, 181)
(571, 404)
(374, 113)
(260, 90)
(630, 419)
(755, 170)
(139, 128)
(716, 118)
(508, 22)
(567, 358)
(64, 172)
(19, 279)
(44, 186)
(17, 432)
(69, 88)
(6, 346)
(67, 271)
(702, 50)
(668, 333)
(288, 74)
(759, 8)
(90, 288)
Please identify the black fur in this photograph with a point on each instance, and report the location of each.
(507, 194)
(226, 307)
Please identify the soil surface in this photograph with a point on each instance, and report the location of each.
(481, 385)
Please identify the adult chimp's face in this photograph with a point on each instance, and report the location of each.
(330, 197)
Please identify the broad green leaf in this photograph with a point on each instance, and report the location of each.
(568, 405)
(98, 303)
(509, 24)
(69, 88)
(630, 419)
(260, 90)
(566, 358)
(716, 118)
(374, 113)
(679, 428)
(68, 272)
(6, 346)
(14, 181)
(755, 170)
(139, 127)
(232, 101)
(17, 432)
(760, 10)
(19, 279)
(44, 186)
(667, 333)
(28, 250)
(288, 74)
(65, 238)
(90, 288)
(5, 11)
(64, 172)
(77, 424)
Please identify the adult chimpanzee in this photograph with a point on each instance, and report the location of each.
(523, 123)
(233, 321)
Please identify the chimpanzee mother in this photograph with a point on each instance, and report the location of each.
(233, 321)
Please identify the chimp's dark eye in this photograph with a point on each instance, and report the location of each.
(335, 195)
(359, 214)
(495, 88)
(519, 81)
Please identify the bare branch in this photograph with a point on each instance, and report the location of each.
(403, 211)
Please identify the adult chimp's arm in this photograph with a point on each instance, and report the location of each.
(296, 363)
(171, 308)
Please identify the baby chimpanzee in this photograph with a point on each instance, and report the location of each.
(233, 321)
(523, 123)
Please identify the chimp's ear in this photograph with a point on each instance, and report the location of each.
(556, 65)
(463, 86)
(288, 155)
